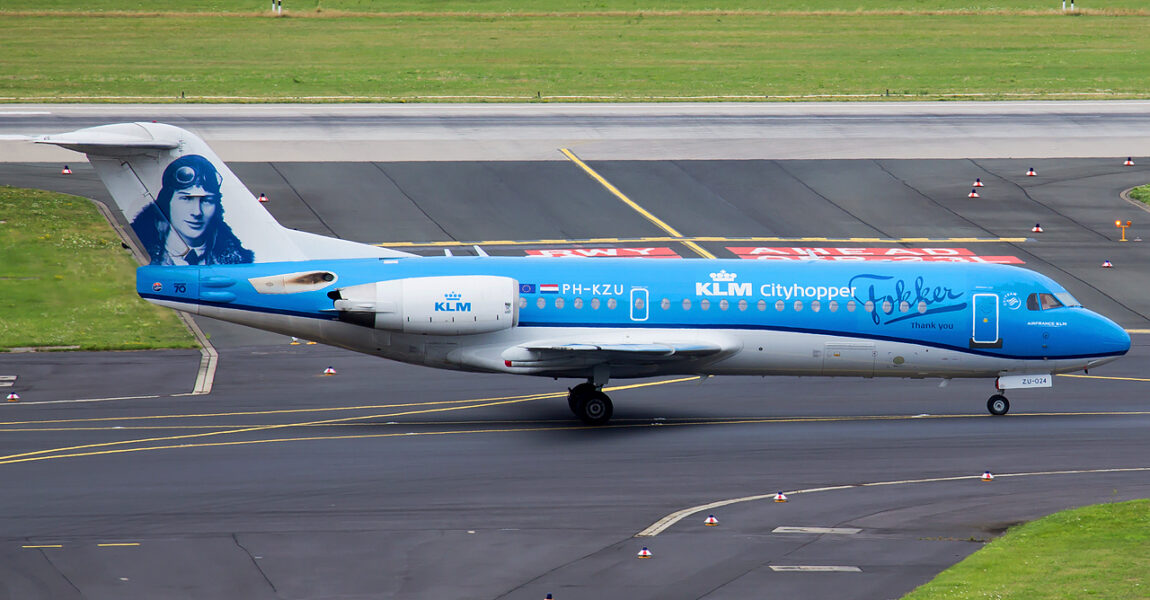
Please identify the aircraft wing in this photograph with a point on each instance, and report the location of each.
(627, 352)
(669, 351)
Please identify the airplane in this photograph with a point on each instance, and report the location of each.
(216, 252)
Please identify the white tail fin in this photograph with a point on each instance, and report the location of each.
(184, 204)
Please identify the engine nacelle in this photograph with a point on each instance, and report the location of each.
(447, 305)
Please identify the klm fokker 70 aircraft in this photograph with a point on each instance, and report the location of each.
(216, 252)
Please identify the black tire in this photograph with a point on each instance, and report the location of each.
(998, 405)
(576, 395)
(595, 409)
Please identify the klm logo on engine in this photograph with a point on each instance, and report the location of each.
(722, 284)
(451, 303)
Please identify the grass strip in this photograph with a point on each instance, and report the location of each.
(220, 58)
(1100, 551)
(586, 7)
(66, 281)
(1141, 193)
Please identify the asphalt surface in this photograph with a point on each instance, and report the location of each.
(388, 480)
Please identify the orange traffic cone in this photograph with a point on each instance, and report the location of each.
(1129, 162)
(263, 197)
(1030, 172)
(978, 182)
(65, 170)
(972, 194)
(13, 397)
(780, 497)
(987, 476)
(1106, 265)
(711, 521)
(329, 371)
(1036, 229)
(644, 553)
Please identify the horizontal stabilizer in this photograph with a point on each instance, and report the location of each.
(122, 139)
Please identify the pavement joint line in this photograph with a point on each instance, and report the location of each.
(696, 248)
(815, 568)
(662, 524)
(818, 530)
(702, 238)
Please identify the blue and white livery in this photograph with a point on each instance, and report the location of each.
(584, 319)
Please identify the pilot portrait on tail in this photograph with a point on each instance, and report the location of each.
(185, 225)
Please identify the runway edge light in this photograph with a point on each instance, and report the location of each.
(711, 521)
(780, 497)
(329, 371)
(644, 553)
(987, 476)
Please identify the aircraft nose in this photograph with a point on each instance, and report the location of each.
(1109, 337)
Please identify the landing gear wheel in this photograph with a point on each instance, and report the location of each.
(998, 405)
(595, 408)
(576, 395)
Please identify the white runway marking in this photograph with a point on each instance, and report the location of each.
(7, 380)
(662, 524)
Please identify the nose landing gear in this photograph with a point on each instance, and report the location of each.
(590, 404)
(998, 405)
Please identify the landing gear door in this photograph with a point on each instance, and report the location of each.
(639, 304)
(985, 326)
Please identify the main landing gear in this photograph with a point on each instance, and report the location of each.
(998, 405)
(590, 404)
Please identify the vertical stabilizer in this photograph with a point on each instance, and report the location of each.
(186, 207)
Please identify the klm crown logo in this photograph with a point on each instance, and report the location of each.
(451, 303)
(722, 284)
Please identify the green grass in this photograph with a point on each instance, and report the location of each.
(361, 58)
(583, 6)
(1098, 551)
(1141, 193)
(66, 281)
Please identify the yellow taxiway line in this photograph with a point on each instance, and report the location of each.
(476, 403)
(675, 235)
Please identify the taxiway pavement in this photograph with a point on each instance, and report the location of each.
(390, 480)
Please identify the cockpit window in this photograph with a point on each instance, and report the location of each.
(1067, 299)
(1046, 301)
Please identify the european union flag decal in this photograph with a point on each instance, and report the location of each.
(527, 288)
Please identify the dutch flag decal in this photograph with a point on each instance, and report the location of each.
(549, 288)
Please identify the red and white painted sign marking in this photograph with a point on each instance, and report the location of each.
(604, 252)
(958, 255)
